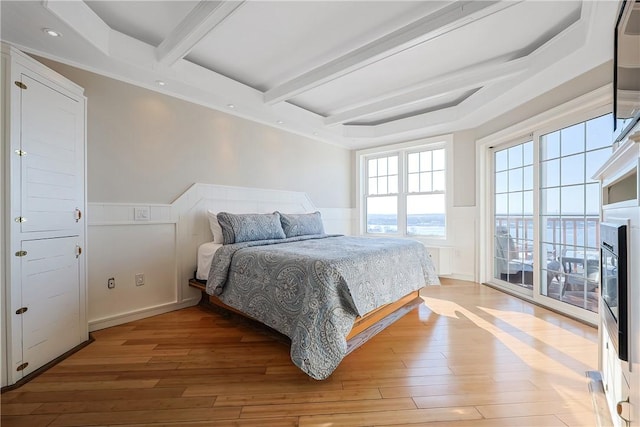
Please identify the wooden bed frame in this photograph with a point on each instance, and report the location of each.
(364, 327)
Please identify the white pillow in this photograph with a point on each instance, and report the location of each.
(206, 251)
(216, 230)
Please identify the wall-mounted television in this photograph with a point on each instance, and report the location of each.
(626, 77)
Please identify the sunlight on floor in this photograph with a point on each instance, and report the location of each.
(548, 333)
(536, 351)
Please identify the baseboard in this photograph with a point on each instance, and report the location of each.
(464, 277)
(599, 400)
(95, 325)
(47, 366)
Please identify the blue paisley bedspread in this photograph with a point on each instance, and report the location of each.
(312, 288)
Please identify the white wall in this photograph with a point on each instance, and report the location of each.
(145, 149)
(459, 261)
(122, 251)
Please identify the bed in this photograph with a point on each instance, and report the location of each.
(319, 290)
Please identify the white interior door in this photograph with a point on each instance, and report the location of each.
(51, 294)
(52, 130)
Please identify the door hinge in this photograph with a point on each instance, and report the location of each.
(21, 85)
(21, 219)
(22, 366)
(21, 253)
(78, 251)
(22, 310)
(21, 153)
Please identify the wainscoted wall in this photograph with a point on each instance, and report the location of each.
(119, 247)
(121, 251)
(164, 247)
(457, 260)
(463, 253)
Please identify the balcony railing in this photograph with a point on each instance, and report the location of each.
(561, 232)
(572, 257)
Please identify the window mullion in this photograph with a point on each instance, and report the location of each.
(402, 193)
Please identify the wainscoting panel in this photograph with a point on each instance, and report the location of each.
(163, 245)
(120, 252)
(458, 259)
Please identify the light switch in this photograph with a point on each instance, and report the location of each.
(141, 213)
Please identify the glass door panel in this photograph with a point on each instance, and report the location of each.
(513, 216)
(570, 211)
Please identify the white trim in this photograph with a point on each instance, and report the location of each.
(101, 214)
(456, 276)
(119, 319)
(472, 77)
(443, 20)
(202, 19)
(443, 141)
(598, 98)
(622, 161)
(83, 20)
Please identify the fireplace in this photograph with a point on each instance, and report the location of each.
(614, 288)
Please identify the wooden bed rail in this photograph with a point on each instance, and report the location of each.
(364, 327)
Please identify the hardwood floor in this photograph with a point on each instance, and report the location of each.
(469, 357)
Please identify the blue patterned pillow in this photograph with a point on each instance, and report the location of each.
(237, 228)
(301, 224)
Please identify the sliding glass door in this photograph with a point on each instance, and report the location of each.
(546, 215)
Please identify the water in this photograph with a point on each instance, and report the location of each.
(419, 225)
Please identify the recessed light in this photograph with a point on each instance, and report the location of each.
(280, 122)
(52, 33)
(232, 106)
(160, 83)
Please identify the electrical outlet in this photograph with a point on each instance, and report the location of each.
(139, 279)
(111, 282)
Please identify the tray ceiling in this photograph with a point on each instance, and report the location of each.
(352, 73)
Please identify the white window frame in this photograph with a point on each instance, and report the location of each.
(585, 107)
(402, 150)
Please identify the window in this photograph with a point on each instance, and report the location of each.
(382, 195)
(405, 192)
(425, 195)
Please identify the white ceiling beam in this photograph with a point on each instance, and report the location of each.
(202, 19)
(77, 15)
(497, 99)
(451, 17)
(470, 78)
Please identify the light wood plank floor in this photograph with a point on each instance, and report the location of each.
(470, 356)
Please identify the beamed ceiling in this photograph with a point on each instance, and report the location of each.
(351, 73)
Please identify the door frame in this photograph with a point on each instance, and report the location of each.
(590, 105)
